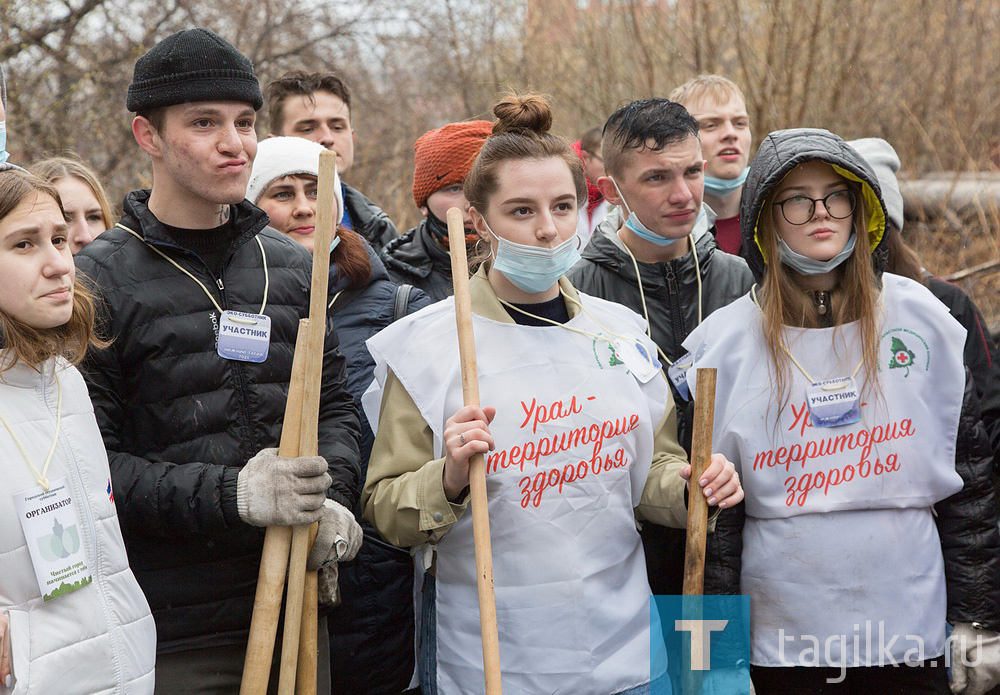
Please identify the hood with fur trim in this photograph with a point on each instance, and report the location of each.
(782, 151)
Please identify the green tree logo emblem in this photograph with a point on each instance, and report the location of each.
(614, 357)
(902, 356)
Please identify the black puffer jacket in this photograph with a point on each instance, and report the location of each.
(970, 540)
(368, 219)
(671, 291)
(179, 421)
(416, 259)
(981, 356)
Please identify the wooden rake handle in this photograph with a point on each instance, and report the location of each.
(701, 455)
(477, 465)
(287, 549)
(277, 542)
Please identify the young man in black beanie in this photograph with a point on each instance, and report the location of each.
(190, 414)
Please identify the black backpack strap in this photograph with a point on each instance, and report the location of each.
(402, 301)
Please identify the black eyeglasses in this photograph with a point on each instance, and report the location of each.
(799, 209)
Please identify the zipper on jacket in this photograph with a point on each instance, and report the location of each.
(678, 330)
(241, 381)
(237, 366)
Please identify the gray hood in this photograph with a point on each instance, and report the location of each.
(782, 151)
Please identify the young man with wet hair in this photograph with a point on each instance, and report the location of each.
(659, 258)
(317, 106)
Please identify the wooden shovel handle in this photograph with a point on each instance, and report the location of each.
(701, 454)
(477, 467)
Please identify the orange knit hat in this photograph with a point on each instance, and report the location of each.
(444, 156)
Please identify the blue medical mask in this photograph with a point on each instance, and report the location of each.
(810, 266)
(721, 187)
(3, 141)
(637, 227)
(534, 269)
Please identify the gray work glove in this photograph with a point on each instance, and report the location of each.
(276, 491)
(975, 659)
(338, 538)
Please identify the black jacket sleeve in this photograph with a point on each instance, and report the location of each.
(981, 356)
(723, 564)
(724, 553)
(339, 431)
(157, 499)
(967, 525)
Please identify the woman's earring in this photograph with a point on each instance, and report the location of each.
(479, 241)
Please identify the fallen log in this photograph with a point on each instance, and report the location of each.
(945, 194)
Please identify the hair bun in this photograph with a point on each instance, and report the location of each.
(522, 112)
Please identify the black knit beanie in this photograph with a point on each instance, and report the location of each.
(192, 65)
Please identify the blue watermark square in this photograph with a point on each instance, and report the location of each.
(702, 643)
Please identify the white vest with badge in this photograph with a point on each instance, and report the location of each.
(574, 442)
(87, 629)
(841, 552)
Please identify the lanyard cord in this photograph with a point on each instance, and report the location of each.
(642, 294)
(828, 387)
(577, 330)
(263, 256)
(556, 323)
(41, 477)
(335, 297)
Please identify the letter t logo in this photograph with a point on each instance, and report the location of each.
(701, 636)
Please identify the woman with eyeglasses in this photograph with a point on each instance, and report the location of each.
(844, 403)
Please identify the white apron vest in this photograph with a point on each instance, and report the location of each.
(840, 550)
(574, 443)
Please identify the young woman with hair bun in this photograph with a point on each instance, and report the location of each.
(578, 432)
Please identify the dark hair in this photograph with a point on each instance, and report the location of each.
(156, 117)
(301, 83)
(521, 131)
(650, 123)
(352, 259)
(21, 342)
(591, 140)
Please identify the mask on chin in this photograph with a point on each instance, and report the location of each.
(534, 269)
(809, 266)
(721, 187)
